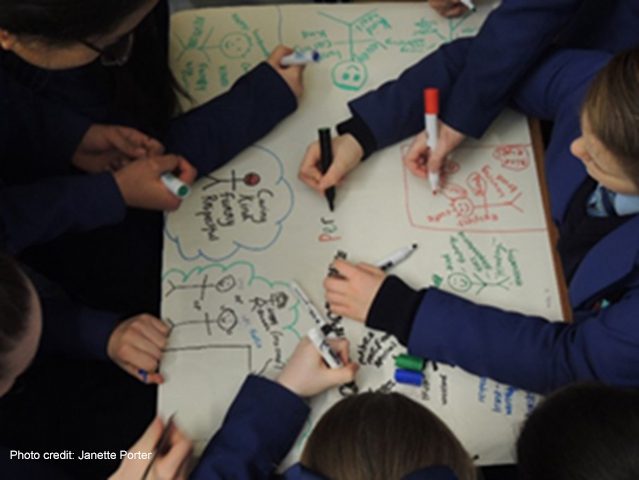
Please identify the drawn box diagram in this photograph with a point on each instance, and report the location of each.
(491, 196)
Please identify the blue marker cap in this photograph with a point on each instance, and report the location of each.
(144, 374)
(409, 377)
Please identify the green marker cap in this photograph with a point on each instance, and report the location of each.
(410, 362)
(183, 191)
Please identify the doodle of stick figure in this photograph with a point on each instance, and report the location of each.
(463, 283)
(251, 179)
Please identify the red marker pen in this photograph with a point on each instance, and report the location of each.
(431, 112)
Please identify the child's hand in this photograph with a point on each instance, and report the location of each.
(306, 373)
(110, 147)
(137, 344)
(292, 75)
(419, 159)
(347, 155)
(351, 294)
(172, 465)
(448, 8)
(141, 186)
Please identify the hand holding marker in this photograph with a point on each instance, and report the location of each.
(175, 185)
(318, 334)
(326, 153)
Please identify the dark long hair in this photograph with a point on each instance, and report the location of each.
(382, 436)
(144, 87)
(585, 432)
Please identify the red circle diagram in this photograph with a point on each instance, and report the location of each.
(513, 157)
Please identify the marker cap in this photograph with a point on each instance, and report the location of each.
(410, 362)
(409, 377)
(431, 101)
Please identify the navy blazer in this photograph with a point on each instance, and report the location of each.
(258, 431)
(511, 41)
(525, 351)
(37, 139)
(514, 38)
(478, 84)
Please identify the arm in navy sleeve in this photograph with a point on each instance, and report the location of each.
(526, 351)
(69, 328)
(214, 133)
(259, 429)
(39, 132)
(511, 41)
(36, 213)
(476, 77)
(395, 110)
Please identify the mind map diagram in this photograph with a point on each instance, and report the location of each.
(242, 205)
(209, 54)
(369, 34)
(487, 197)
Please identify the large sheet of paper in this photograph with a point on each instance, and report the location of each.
(251, 227)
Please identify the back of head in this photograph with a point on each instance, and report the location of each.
(612, 109)
(15, 305)
(381, 436)
(64, 21)
(583, 432)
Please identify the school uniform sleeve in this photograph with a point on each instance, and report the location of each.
(476, 77)
(511, 41)
(42, 134)
(259, 429)
(68, 327)
(395, 110)
(63, 131)
(38, 212)
(526, 351)
(214, 133)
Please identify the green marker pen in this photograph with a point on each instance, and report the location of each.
(175, 185)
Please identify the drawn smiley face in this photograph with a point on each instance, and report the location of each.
(227, 320)
(463, 207)
(349, 75)
(459, 282)
(225, 284)
(236, 45)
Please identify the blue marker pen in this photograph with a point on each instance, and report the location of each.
(300, 58)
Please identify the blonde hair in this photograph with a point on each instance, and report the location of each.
(382, 436)
(612, 109)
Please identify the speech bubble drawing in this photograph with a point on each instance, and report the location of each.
(242, 205)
